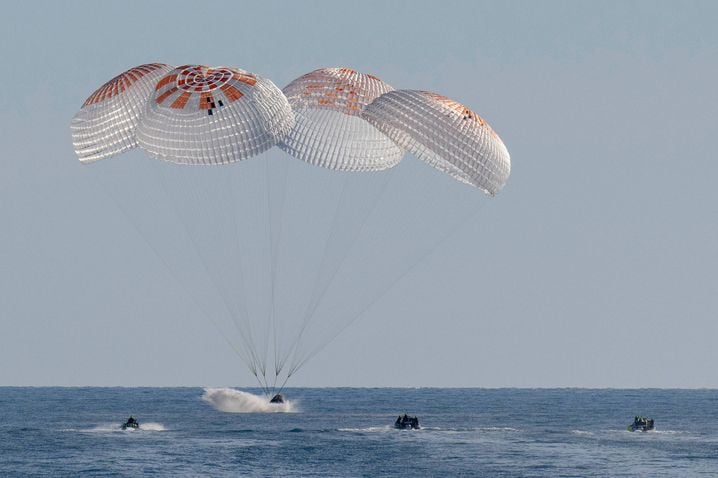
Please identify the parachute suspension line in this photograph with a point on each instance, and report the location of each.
(245, 205)
(274, 383)
(426, 253)
(169, 269)
(318, 293)
(238, 283)
(202, 199)
(268, 228)
(262, 385)
(327, 241)
(399, 223)
(403, 222)
(272, 261)
(274, 252)
(240, 266)
(285, 382)
(252, 359)
(353, 240)
(243, 326)
(271, 323)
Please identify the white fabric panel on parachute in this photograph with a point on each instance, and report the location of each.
(329, 130)
(106, 123)
(445, 134)
(203, 115)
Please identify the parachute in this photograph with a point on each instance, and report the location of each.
(106, 124)
(445, 134)
(201, 115)
(284, 254)
(329, 130)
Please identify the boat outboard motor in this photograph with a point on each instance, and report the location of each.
(278, 398)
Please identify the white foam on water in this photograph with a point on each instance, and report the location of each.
(470, 429)
(389, 428)
(230, 400)
(152, 427)
(117, 428)
(673, 434)
(679, 434)
(104, 428)
(383, 429)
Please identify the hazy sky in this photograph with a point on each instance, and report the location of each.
(595, 266)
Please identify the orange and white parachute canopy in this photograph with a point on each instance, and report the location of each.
(329, 129)
(336, 118)
(445, 134)
(203, 115)
(107, 121)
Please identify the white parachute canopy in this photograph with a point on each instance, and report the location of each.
(203, 115)
(106, 123)
(329, 130)
(445, 134)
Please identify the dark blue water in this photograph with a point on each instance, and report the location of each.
(347, 432)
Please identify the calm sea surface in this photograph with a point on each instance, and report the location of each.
(348, 432)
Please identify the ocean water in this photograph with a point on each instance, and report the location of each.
(348, 432)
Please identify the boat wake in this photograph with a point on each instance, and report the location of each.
(117, 428)
(388, 428)
(471, 429)
(669, 432)
(383, 429)
(152, 427)
(230, 400)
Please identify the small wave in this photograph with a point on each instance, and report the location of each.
(654, 432)
(581, 432)
(368, 429)
(471, 429)
(230, 400)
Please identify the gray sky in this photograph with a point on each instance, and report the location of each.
(595, 266)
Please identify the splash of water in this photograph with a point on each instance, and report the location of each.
(231, 400)
(152, 427)
(117, 427)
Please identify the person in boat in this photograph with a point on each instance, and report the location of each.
(641, 423)
(130, 423)
(405, 422)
